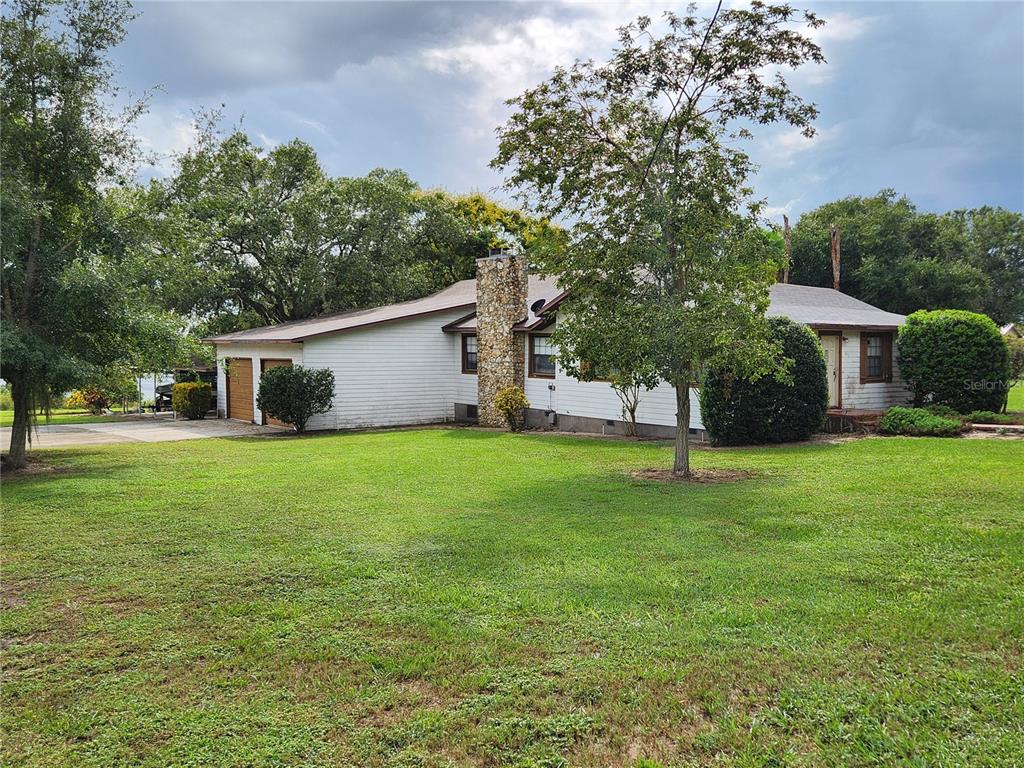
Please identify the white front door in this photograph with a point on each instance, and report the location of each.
(832, 344)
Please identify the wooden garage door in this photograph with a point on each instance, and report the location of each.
(266, 365)
(240, 388)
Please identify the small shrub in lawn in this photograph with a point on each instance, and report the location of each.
(511, 403)
(918, 422)
(955, 358)
(739, 411)
(90, 399)
(294, 394)
(191, 399)
(989, 417)
(945, 412)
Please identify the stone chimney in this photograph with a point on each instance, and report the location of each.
(501, 294)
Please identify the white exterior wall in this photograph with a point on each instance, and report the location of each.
(597, 399)
(465, 383)
(256, 352)
(402, 372)
(876, 396)
(537, 389)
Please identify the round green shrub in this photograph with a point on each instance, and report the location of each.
(511, 403)
(739, 411)
(191, 399)
(955, 358)
(918, 422)
(294, 394)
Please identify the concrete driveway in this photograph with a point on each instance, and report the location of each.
(151, 429)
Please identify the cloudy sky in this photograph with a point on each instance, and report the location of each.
(924, 97)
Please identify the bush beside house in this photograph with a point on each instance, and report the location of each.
(191, 399)
(294, 394)
(955, 358)
(738, 411)
(511, 403)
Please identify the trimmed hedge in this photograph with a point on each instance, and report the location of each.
(294, 394)
(738, 411)
(988, 417)
(918, 422)
(191, 399)
(955, 358)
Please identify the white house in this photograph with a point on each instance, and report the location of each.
(437, 358)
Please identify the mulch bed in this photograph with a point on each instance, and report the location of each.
(697, 476)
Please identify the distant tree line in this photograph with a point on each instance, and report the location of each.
(902, 260)
(240, 236)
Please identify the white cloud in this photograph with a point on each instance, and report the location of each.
(842, 27)
(783, 148)
(505, 60)
(267, 142)
(777, 211)
(162, 135)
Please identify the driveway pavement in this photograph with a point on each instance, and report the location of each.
(152, 429)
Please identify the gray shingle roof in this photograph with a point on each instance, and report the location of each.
(818, 307)
(459, 295)
(824, 307)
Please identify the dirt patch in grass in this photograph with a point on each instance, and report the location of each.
(697, 476)
(33, 466)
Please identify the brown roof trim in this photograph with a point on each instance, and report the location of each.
(452, 327)
(553, 304)
(539, 324)
(222, 340)
(296, 339)
(850, 327)
(385, 321)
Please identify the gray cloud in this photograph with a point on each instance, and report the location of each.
(927, 98)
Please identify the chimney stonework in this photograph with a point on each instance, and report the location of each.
(501, 295)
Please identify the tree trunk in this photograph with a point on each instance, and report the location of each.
(21, 424)
(681, 466)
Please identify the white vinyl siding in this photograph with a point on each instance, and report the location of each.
(537, 390)
(402, 372)
(255, 352)
(597, 399)
(869, 396)
(465, 383)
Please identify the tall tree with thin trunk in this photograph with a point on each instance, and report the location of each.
(642, 155)
(67, 307)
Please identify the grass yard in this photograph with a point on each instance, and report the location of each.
(458, 597)
(1015, 402)
(61, 416)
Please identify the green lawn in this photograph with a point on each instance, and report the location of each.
(1016, 400)
(60, 416)
(454, 597)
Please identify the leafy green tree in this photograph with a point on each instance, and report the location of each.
(67, 308)
(902, 260)
(995, 244)
(665, 232)
(243, 237)
(608, 346)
